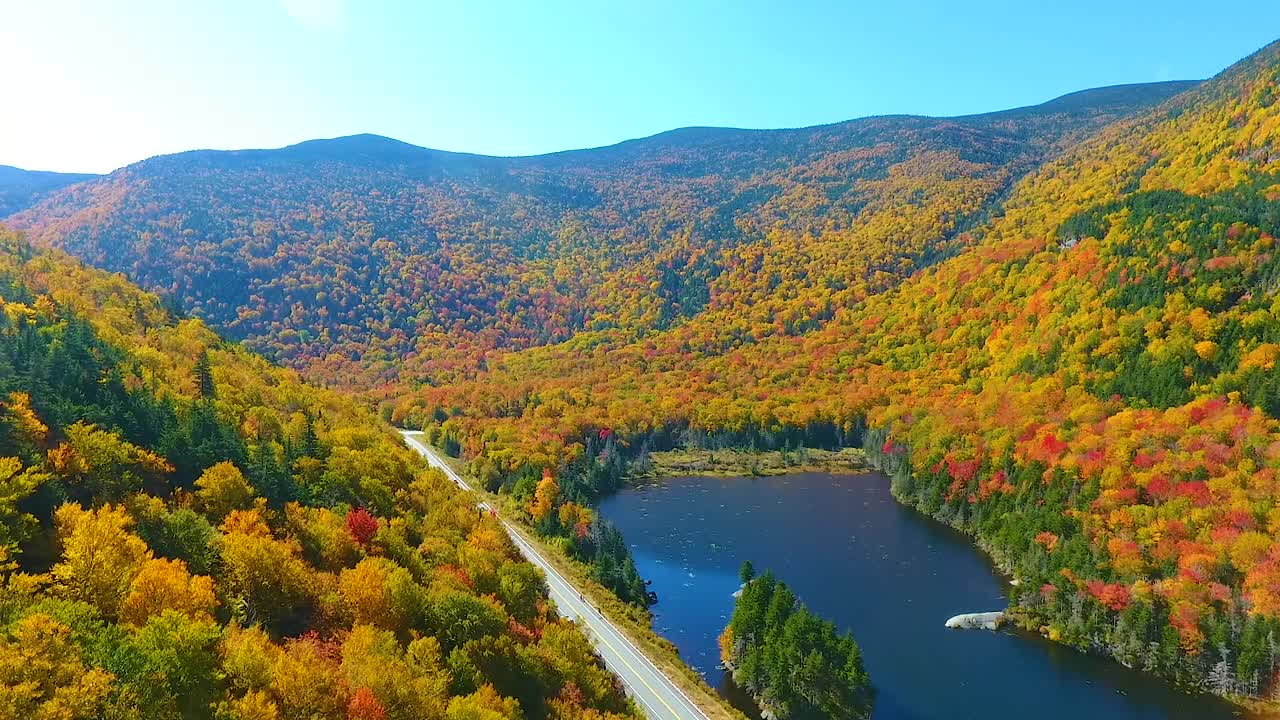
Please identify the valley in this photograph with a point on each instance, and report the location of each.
(896, 361)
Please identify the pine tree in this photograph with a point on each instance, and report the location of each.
(310, 441)
(204, 377)
(268, 475)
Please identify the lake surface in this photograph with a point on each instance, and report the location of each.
(891, 576)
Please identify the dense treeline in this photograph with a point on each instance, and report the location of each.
(188, 532)
(363, 260)
(1089, 388)
(794, 663)
(557, 506)
(1077, 366)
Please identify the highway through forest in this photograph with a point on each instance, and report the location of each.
(651, 689)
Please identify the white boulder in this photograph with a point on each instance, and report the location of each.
(976, 621)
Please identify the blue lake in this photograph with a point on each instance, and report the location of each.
(886, 573)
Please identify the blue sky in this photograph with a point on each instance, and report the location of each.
(92, 85)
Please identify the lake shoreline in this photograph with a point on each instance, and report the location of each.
(689, 535)
(736, 462)
(1019, 618)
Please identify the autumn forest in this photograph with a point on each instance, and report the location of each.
(1055, 329)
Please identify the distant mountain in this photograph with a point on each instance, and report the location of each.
(368, 260)
(19, 189)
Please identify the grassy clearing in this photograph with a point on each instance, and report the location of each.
(731, 462)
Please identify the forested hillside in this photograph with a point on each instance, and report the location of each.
(1056, 328)
(189, 532)
(364, 260)
(1090, 389)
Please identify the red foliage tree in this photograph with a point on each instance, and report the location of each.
(364, 706)
(362, 526)
(572, 695)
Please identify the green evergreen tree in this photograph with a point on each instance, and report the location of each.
(204, 377)
(794, 663)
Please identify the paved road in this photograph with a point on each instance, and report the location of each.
(652, 690)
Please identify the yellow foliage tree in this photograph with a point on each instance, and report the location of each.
(103, 464)
(544, 497)
(380, 593)
(42, 675)
(484, 704)
(248, 658)
(245, 522)
(409, 683)
(24, 425)
(306, 684)
(100, 557)
(265, 577)
(166, 585)
(255, 705)
(223, 488)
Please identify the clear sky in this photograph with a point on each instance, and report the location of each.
(92, 85)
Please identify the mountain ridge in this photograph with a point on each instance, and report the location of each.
(1163, 89)
(524, 251)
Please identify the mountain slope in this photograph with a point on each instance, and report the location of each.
(188, 532)
(1089, 388)
(365, 260)
(20, 189)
